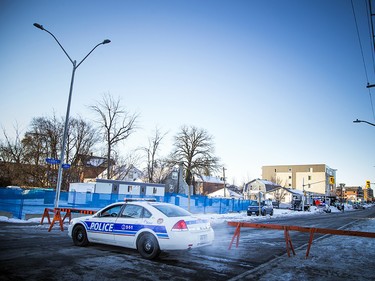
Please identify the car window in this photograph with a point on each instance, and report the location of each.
(110, 212)
(132, 211)
(171, 210)
(146, 214)
(254, 203)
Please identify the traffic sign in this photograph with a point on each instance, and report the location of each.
(65, 166)
(52, 161)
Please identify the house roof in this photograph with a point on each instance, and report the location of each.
(269, 185)
(122, 172)
(209, 179)
(228, 193)
(294, 191)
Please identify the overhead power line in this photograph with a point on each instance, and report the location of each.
(372, 36)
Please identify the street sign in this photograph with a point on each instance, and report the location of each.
(65, 166)
(52, 161)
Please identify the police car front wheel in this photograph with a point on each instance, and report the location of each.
(148, 246)
(80, 236)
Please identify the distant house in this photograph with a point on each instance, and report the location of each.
(226, 192)
(258, 187)
(353, 193)
(175, 182)
(89, 167)
(123, 173)
(208, 184)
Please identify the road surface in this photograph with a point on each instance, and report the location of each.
(30, 252)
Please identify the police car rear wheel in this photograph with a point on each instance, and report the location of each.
(148, 246)
(80, 236)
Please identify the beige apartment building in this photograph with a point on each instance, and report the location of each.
(313, 178)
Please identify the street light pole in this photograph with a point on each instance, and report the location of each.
(75, 66)
(363, 121)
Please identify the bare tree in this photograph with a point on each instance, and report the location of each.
(81, 139)
(280, 193)
(152, 162)
(116, 124)
(194, 149)
(11, 150)
(42, 140)
(124, 165)
(26, 157)
(161, 169)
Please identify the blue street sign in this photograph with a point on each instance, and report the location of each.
(65, 166)
(52, 161)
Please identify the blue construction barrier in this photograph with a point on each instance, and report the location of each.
(20, 202)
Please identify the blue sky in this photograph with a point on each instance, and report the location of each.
(274, 82)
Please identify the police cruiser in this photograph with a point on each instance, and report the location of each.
(149, 227)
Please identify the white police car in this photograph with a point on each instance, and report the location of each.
(149, 227)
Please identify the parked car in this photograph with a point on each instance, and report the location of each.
(358, 206)
(266, 208)
(276, 204)
(149, 227)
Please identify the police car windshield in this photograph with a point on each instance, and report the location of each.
(172, 210)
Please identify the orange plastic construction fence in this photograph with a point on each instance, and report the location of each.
(287, 228)
(58, 218)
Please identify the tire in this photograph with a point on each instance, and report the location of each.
(264, 213)
(148, 246)
(79, 236)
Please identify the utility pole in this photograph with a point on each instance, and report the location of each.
(225, 194)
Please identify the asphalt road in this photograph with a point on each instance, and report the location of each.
(30, 252)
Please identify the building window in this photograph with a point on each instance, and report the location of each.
(290, 177)
(311, 170)
(309, 178)
(289, 169)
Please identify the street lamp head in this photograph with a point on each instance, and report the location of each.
(106, 41)
(364, 121)
(39, 26)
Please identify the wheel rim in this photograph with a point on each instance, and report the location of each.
(148, 246)
(79, 236)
